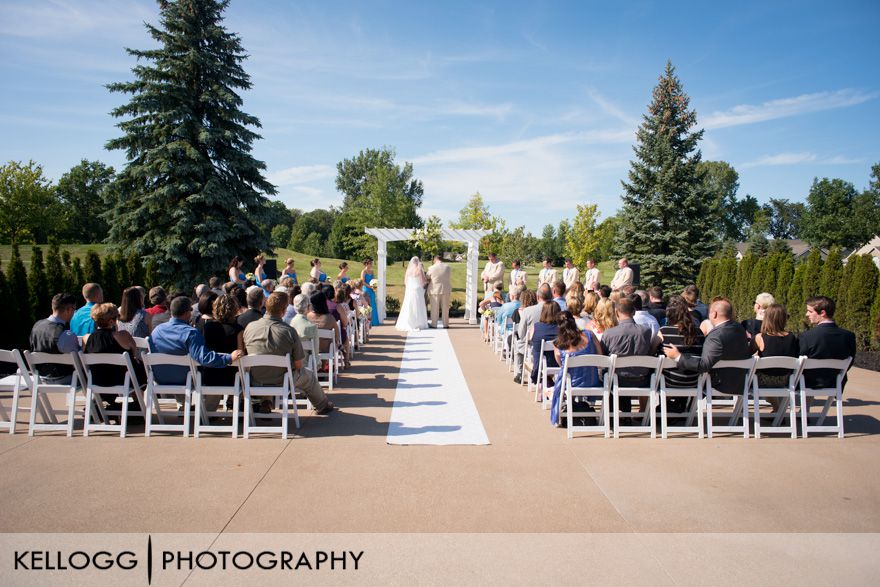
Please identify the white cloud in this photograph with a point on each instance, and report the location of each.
(799, 159)
(64, 19)
(785, 107)
(302, 174)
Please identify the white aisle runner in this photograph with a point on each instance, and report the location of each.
(433, 404)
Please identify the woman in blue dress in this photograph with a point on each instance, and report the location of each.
(234, 271)
(367, 276)
(290, 271)
(343, 272)
(572, 342)
(316, 272)
(260, 270)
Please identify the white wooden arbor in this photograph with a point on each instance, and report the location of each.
(471, 237)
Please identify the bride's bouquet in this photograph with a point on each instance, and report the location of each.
(365, 311)
(374, 283)
(487, 312)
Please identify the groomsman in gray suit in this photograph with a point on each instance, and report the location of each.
(439, 290)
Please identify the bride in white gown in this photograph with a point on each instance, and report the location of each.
(413, 314)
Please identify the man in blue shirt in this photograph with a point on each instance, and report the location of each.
(177, 337)
(559, 295)
(82, 324)
(506, 310)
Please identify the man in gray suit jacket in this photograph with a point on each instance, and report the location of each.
(439, 290)
(727, 341)
(527, 317)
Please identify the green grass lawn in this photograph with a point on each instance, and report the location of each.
(330, 266)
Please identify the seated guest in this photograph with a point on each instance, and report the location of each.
(825, 340)
(753, 325)
(576, 309)
(199, 290)
(82, 323)
(177, 337)
(205, 309)
(216, 286)
(50, 335)
(508, 308)
(255, 301)
(271, 336)
(308, 288)
(727, 341)
(629, 339)
(268, 286)
(681, 331)
(642, 317)
(604, 292)
(106, 339)
(320, 316)
(591, 300)
(559, 295)
(604, 318)
(159, 301)
(223, 334)
(132, 316)
(656, 307)
(575, 291)
(240, 296)
(494, 297)
(775, 341)
(340, 312)
(546, 328)
(572, 341)
(163, 317)
(699, 310)
(528, 316)
(308, 332)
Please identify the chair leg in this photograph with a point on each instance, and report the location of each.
(87, 416)
(247, 414)
(235, 401)
(13, 418)
(148, 417)
(805, 407)
(839, 415)
(664, 424)
(35, 401)
(791, 419)
(616, 407)
(709, 412)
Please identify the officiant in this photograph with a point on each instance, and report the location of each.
(439, 290)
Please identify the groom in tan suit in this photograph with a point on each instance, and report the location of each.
(439, 290)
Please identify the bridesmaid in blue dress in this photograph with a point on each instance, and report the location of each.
(367, 276)
(289, 271)
(572, 342)
(235, 272)
(316, 272)
(343, 272)
(260, 270)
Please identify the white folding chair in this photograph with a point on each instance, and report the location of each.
(785, 394)
(129, 386)
(695, 402)
(622, 393)
(351, 333)
(741, 400)
(604, 391)
(831, 394)
(545, 372)
(13, 384)
(340, 349)
(282, 392)
(525, 378)
(40, 393)
(184, 364)
(202, 422)
(143, 345)
(328, 378)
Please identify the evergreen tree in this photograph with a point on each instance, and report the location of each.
(21, 311)
(136, 274)
(742, 291)
(708, 288)
(151, 274)
(778, 245)
(771, 274)
(41, 300)
(726, 277)
(78, 277)
(875, 315)
(796, 299)
(701, 276)
(846, 281)
(832, 269)
(668, 219)
(69, 283)
(756, 282)
(110, 283)
(191, 195)
(8, 338)
(860, 299)
(812, 274)
(124, 276)
(54, 271)
(93, 272)
(783, 281)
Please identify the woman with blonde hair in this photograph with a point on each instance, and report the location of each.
(603, 318)
(260, 270)
(753, 325)
(290, 270)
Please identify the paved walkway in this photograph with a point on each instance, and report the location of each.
(339, 475)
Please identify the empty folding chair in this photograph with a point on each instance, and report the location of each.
(327, 378)
(13, 385)
(694, 403)
(41, 390)
(584, 409)
(741, 400)
(836, 369)
(282, 392)
(143, 345)
(623, 392)
(94, 393)
(202, 422)
(784, 393)
(183, 369)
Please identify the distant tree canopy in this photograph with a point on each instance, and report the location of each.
(83, 194)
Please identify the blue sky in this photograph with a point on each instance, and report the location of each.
(534, 104)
